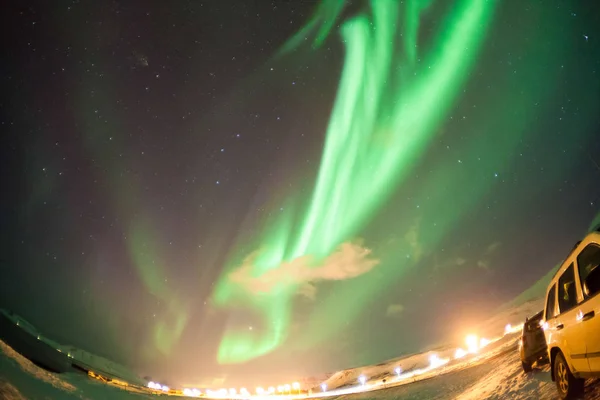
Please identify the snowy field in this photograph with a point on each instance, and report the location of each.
(495, 374)
(498, 378)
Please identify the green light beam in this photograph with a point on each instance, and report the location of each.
(382, 121)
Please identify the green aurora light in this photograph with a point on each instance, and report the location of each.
(386, 112)
(141, 231)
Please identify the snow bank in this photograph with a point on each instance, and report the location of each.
(80, 357)
(33, 369)
(9, 391)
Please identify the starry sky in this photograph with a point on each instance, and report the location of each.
(247, 192)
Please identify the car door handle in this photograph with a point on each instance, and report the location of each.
(589, 315)
(559, 327)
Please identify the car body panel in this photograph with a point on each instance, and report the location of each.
(592, 331)
(576, 332)
(569, 340)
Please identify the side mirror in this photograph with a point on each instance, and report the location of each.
(591, 285)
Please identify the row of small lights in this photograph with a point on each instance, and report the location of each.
(287, 388)
(434, 362)
(473, 346)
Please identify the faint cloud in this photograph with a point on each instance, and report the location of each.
(484, 264)
(412, 238)
(350, 260)
(393, 310)
(492, 247)
(447, 263)
(308, 290)
(140, 59)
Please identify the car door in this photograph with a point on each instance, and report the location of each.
(568, 326)
(589, 309)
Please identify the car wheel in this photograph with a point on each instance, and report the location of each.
(526, 366)
(568, 386)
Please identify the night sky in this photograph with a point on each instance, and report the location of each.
(248, 192)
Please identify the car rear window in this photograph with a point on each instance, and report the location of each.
(533, 324)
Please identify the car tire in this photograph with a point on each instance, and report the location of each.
(567, 385)
(526, 366)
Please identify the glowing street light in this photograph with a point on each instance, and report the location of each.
(472, 343)
(323, 387)
(271, 389)
(232, 392)
(191, 392)
(296, 386)
(435, 361)
(459, 353)
(398, 371)
(362, 379)
(280, 388)
(259, 391)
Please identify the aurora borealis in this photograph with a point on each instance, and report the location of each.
(385, 113)
(240, 191)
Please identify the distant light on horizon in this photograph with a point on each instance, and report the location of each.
(472, 342)
(435, 361)
(459, 353)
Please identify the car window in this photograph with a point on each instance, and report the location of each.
(587, 260)
(550, 312)
(567, 293)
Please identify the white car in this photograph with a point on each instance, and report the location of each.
(572, 320)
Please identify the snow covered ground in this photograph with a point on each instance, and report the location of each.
(21, 379)
(498, 378)
(495, 375)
